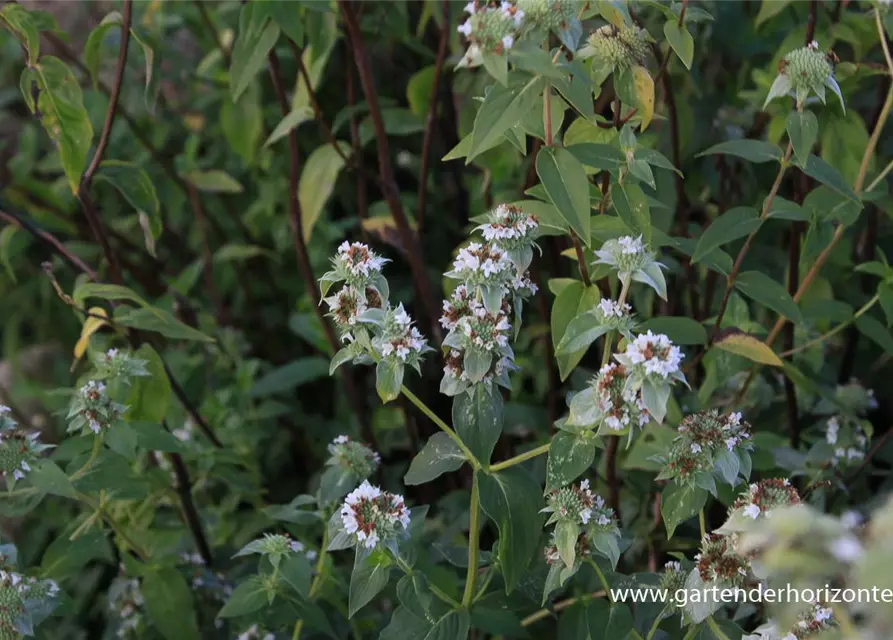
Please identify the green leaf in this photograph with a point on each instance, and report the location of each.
(289, 18)
(87, 290)
(388, 379)
(582, 331)
(763, 289)
(478, 418)
(93, 46)
(681, 41)
(751, 150)
(679, 502)
(418, 90)
(46, 476)
(248, 597)
(23, 25)
(153, 437)
(148, 45)
(257, 36)
(290, 376)
(876, 332)
(680, 330)
(296, 571)
(137, 188)
(770, 9)
(453, 626)
(497, 66)
(154, 319)
(62, 113)
(440, 455)
(502, 109)
(169, 604)
(236, 252)
(570, 302)
(743, 344)
(564, 180)
(242, 123)
(733, 224)
(318, 181)
(150, 396)
(512, 499)
(803, 130)
(606, 621)
(405, 625)
(293, 120)
(371, 570)
(631, 205)
(598, 156)
(820, 170)
(569, 457)
(213, 180)
(7, 233)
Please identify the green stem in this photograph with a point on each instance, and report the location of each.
(692, 632)
(602, 579)
(527, 455)
(482, 590)
(881, 176)
(97, 447)
(440, 593)
(703, 524)
(609, 339)
(413, 398)
(114, 525)
(843, 325)
(473, 541)
(656, 624)
(719, 633)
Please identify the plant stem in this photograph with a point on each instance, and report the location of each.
(482, 590)
(473, 542)
(719, 633)
(702, 523)
(655, 624)
(413, 398)
(113, 524)
(881, 176)
(843, 325)
(602, 579)
(97, 447)
(692, 631)
(560, 606)
(609, 339)
(527, 455)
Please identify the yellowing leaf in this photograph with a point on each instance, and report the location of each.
(644, 94)
(91, 325)
(318, 181)
(743, 344)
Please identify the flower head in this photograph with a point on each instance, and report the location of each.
(353, 456)
(399, 340)
(373, 515)
(273, 545)
(510, 227)
(553, 15)
(126, 600)
(804, 71)
(92, 409)
(120, 365)
(672, 579)
(632, 258)
(652, 354)
(578, 504)
(358, 259)
(19, 449)
(483, 265)
(15, 591)
(491, 27)
(719, 562)
(764, 496)
(617, 48)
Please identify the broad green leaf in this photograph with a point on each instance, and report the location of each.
(439, 455)
(388, 379)
(169, 604)
(582, 331)
(478, 418)
(512, 499)
(318, 181)
(294, 119)
(681, 41)
(680, 330)
(876, 332)
(137, 188)
(497, 66)
(820, 170)
(453, 626)
(63, 115)
(769, 9)
(569, 457)
(743, 344)
(24, 26)
(570, 302)
(212, 181)
(371, 570)
(288, 377)
(295, 570)
(105, 291)
(502, 109)
(150, 396)
(405, 625)
(246, 598)
(242, 123)
(759, 287)
(653, 441)
(679, 502)
(607, 621)
(152, 437)
(631, 205)
(46, 476)
(257, 36)
(154, 319)
(93, 46)
(418, 90)
(733, 224)
(751, 150)
(565, 182)
(287, 16)
(596, 155)
(803, 130)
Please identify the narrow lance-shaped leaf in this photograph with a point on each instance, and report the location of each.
(564, 180)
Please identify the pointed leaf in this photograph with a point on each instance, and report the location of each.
(565, 182)
(733, 224)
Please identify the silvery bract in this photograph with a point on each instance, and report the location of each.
(630, 257)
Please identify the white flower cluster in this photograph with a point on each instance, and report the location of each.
(512, 228)
(126, 600)
(810, 623)
(632, 258)
(847, 432)
(610, 402)
(654, 354)
(274, 546)
(400, 340)
(353, 456)
(18, 448)
(255, 632)
(704, 438)
(483, 264)
(373, 515)
(357, 260)
(579, 505)
(92, 409)
(491, 27)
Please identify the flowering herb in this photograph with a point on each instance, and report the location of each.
(631, 258)
(373, 516)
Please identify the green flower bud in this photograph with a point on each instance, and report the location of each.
(549, 14)
(804, 71)
(672, 579)
(617, 48)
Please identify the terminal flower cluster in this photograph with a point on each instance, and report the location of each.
(353, 456)
(19, 449)
(372, 515)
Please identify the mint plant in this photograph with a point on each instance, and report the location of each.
(520, 318)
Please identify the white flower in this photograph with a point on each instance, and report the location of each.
(673, 565)
(846, 548)
(695, 448)
(470, 8)
(340, 440)
(508, 41)
(631, 246)
(823, 613)
(610, 308)
(4, 409)
(585, 515)
(752, 511)
(655, 352)
(734, 418)
(401, 317)
(730, 443)
(832, 429)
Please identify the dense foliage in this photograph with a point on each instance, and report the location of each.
(442, 320)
